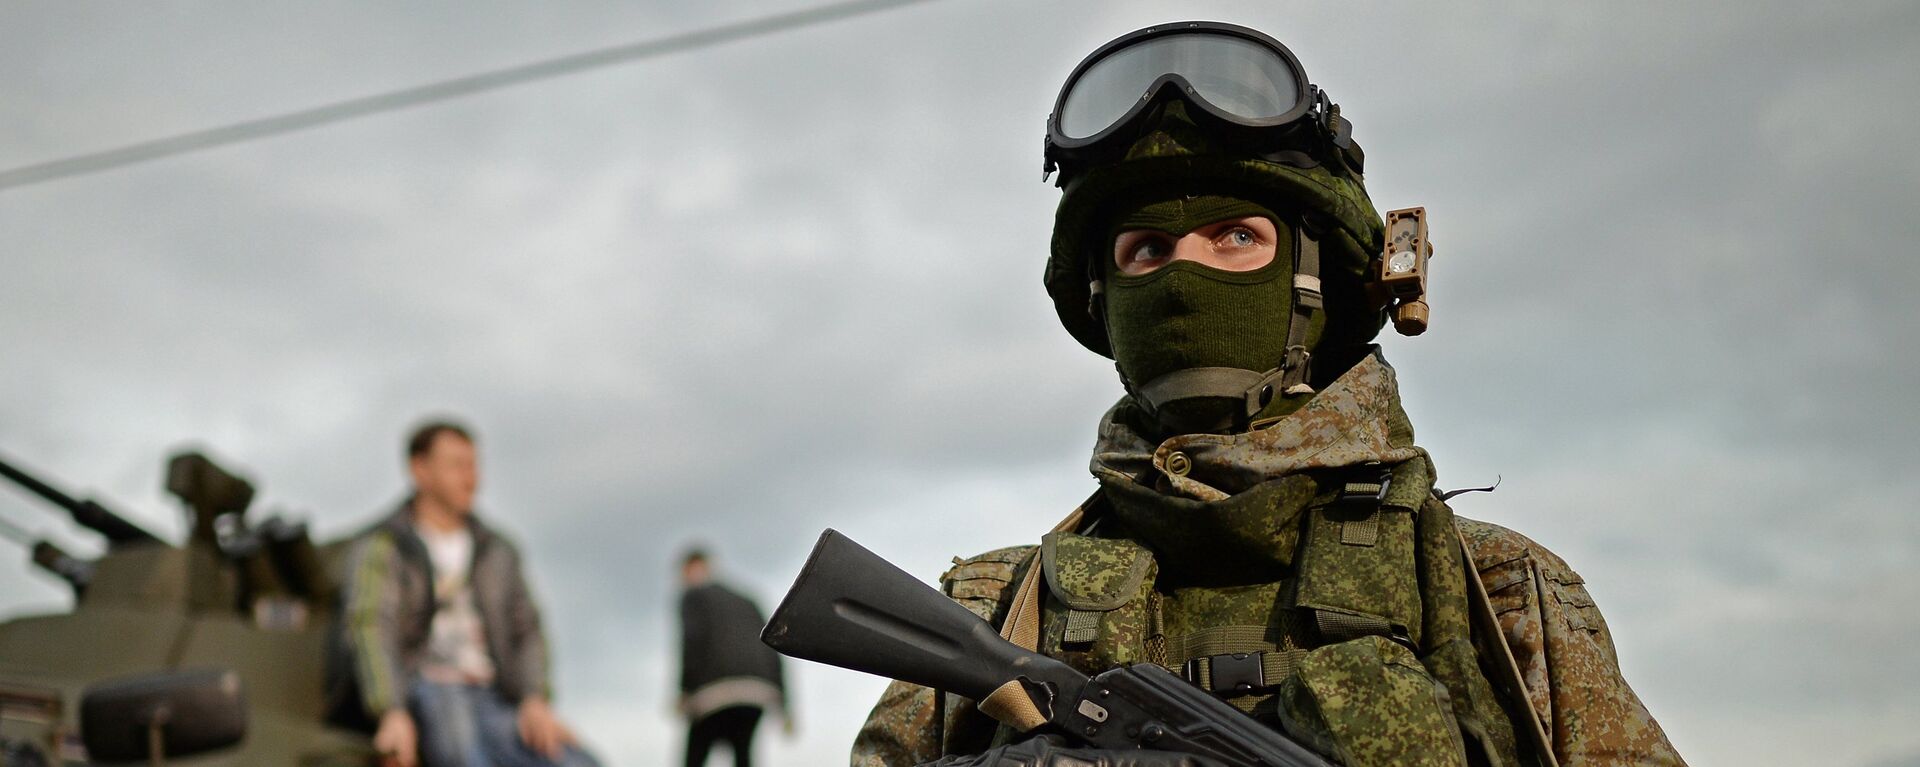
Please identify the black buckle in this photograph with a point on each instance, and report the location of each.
(1295, 357)
(1380, 497)
(1237, 673)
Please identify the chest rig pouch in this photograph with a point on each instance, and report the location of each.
(1339, 551)
(1357, 574)
(1362, 695)
(1098, 615)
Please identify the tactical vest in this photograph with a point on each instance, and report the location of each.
(1300, 603)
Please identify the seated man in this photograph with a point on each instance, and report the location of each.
(446, 639)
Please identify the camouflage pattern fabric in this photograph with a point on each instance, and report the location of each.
(1369, 701)
(1566, 654)
(1573, 683)
(1357, 419)
(1400, 577)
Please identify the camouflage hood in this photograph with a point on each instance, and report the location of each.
(1354, 421)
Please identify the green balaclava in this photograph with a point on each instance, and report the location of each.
(1186, 316)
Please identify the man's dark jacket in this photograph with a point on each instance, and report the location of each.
(720, 639)
(389, 605)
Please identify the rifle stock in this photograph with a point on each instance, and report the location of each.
(852, 609)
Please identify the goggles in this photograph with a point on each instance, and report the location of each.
(1240, 83)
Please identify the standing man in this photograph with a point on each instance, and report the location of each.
(448, 650)
(728, 678)
(1265, 525)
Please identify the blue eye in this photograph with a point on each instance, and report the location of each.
(1242, 238)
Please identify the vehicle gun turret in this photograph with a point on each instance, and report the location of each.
(217, 645)
(215, 497)
(274, 559)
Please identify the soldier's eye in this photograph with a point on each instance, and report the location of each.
(1139, 251)
(1242, 238)
(1150, 250)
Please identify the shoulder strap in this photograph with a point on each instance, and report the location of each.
(1022, 626)
(1502, 669)
(1010, 703)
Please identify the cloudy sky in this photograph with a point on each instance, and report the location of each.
(740, 294)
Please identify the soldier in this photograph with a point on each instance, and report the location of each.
(1265, 525)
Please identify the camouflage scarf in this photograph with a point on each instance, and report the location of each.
(1201, 479)
(1355, 420)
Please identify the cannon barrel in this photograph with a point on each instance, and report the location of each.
(75, 571)
(86, 512)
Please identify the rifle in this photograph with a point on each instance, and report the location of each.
(852, 609)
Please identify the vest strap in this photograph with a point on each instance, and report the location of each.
(1368, 497)
(1241, 673)
(1218, 640)
(1364, 531)
(1083, 626)
(1342, 627)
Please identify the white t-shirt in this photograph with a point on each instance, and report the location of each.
(457, 644)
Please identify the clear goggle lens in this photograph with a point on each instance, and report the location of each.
(1238, 76)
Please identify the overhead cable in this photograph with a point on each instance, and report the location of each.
(339, 111)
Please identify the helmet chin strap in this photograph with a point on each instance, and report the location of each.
(1240, 394)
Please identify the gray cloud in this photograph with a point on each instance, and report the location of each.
(743, 294)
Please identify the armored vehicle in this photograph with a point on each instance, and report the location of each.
(213, 652)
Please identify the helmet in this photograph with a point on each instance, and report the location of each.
(1217, 109)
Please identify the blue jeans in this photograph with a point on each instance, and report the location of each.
(467, 726)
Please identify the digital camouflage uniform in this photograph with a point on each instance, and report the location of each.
(1557, 638)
